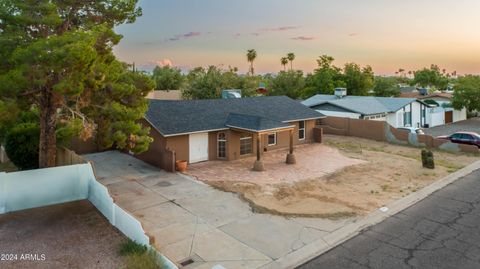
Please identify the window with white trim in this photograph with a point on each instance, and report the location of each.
(272, 139)
(301, 130)
(245, 144)
(222, 145)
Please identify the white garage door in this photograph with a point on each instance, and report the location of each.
(198, 144)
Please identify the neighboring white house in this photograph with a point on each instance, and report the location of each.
(441, 105)
(419, 111)
(398, 112)
(444, 103)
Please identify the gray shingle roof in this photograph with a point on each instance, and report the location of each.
(365, 105)
(253, 123)
(186, 116)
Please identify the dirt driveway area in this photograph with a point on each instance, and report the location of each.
(362, 176)
(70, 235)
(470, 125)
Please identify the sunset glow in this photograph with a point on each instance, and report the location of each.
(387, 35)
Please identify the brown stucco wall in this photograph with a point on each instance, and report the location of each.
(179, 144)
(233, 145)
(154, 154)
(212, 145)
(354, 127)
(283, 140)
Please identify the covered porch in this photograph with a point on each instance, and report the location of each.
(259, 127)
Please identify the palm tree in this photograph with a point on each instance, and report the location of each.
(284, 62)
(291, 57)
(251, 55)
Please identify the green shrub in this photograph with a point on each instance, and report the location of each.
(146, 260)
(132, 247)
(138, 256)
(21, 145)
(427, 159)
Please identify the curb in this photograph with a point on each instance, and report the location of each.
(322, 245)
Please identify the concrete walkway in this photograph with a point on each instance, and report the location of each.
(189, 219)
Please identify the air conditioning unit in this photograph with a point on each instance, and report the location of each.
(231, 93)
(340, 92)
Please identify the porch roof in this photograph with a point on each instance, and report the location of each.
(254, 123)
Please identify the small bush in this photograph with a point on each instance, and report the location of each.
(21, 145)
(132, 247)
(138, 256)
(427, 159)
(147, 260)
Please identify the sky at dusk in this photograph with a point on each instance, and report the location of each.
(385, 34)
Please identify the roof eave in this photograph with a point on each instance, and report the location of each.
(263, 130)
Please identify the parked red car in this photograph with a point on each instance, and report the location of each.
(469, 138)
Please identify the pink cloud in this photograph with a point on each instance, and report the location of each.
(353, 34)
(303, 38)
(192, 34)
(184, 36)
(255, 34)
(163, 62)
(281, 28)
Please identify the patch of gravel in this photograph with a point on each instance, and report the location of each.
(70, 235)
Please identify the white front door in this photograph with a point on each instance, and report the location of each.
(198, 147)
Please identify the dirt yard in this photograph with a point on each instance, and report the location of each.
(388, 172)
(71, 235)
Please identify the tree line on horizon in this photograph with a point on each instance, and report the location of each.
(208, 82)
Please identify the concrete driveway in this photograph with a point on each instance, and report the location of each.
(192, 220)
(470, 125)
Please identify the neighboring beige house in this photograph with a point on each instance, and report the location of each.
(165, 95)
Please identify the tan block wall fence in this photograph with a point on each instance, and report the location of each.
(382, 131)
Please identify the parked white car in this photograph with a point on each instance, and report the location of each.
(412, 130)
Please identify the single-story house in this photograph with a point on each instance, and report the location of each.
(440, 102)
(227, 129)
(398, 112)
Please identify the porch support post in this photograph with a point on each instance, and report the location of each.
(290, 156)
(258, 165)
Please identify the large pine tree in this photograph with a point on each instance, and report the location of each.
(56, 56)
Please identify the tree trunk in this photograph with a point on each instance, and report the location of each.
(48, 121)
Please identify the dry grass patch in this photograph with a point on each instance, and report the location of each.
(390, 172)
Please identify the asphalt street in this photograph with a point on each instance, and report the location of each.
(442, 231)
